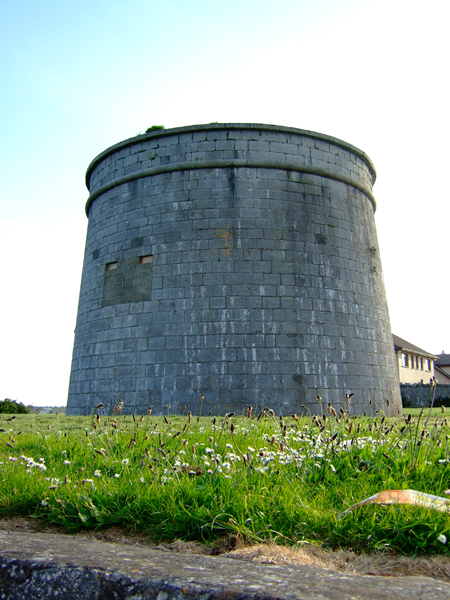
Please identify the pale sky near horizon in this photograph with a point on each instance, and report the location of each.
(78, 76)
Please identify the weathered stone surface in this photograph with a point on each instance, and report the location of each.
(36, 566)
(265, 286)
(419, 394)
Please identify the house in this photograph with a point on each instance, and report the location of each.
(414, 364)
(442, 368)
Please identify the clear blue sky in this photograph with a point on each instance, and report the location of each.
(78, 76)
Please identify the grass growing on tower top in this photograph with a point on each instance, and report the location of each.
(262, 477)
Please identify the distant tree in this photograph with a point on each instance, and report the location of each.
(154, 128)
(12, 407)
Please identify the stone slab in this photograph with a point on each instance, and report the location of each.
(35, 566)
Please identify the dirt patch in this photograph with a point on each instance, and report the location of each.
(386, 565)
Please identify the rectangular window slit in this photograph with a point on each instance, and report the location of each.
(146, 259)
(110, 266)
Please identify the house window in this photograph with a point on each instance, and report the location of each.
(417, 362)
(404, 360)
(427, 364)
(421, 363)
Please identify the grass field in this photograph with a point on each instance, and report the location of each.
(415, 412)
(262, 477)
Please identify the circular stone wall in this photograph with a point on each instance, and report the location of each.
(232, 265)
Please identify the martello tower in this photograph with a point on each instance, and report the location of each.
(235, 262)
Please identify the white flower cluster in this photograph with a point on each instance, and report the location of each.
(31, 464)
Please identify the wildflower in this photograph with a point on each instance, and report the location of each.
(67, 462)
(125, 461)
(64, 452)
(141, 479)
(97, 473)
(13, 458)
(44, 502)
(442, 539)
(250, 449)
(117, 475)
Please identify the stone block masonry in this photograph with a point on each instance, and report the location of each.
(418, 395)
(238, 263)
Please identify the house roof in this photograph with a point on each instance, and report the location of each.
(401, 344)
(443, 360)
(442, 373)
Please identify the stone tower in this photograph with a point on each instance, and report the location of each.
(232, 265)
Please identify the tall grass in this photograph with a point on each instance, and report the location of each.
(262, 477)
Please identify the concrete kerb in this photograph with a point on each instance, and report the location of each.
(35, 566)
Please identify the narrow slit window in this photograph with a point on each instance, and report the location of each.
(111, 266)
(146, 259)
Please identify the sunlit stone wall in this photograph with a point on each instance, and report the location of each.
(229, 265)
